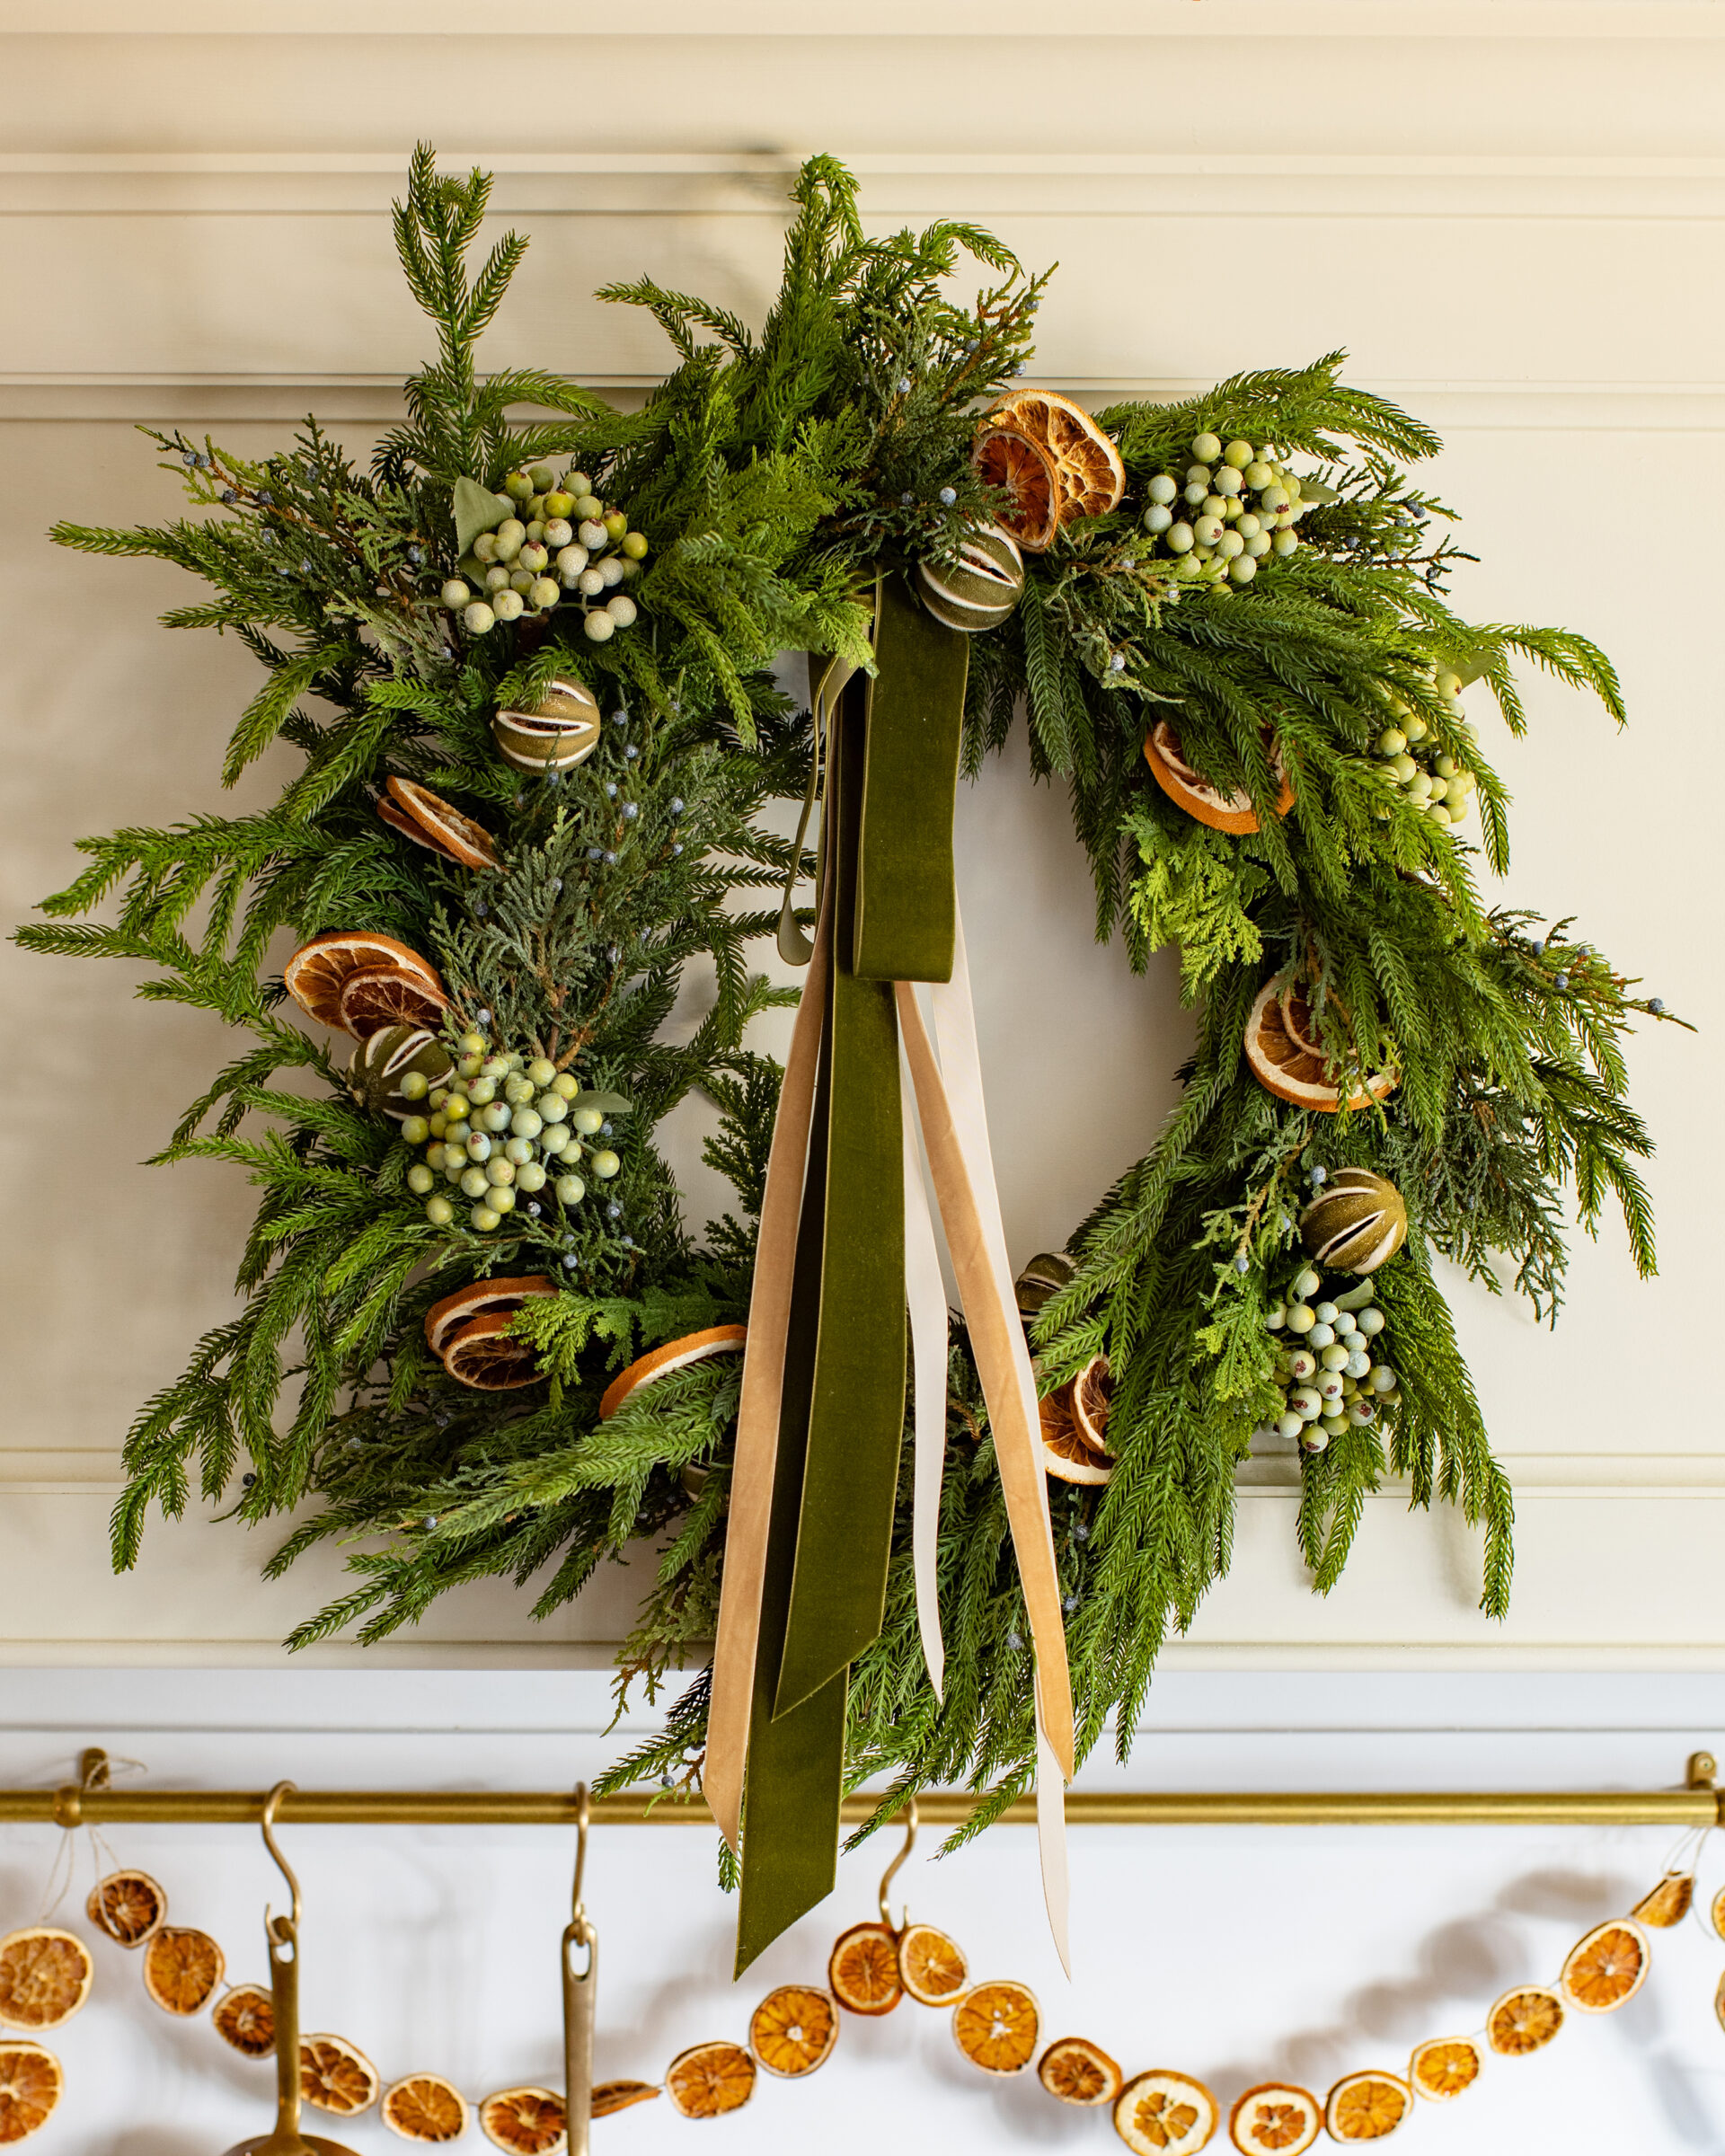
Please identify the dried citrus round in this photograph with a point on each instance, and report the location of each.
(314, 974)
(709, 2080)
(931, 1966)
(1165, 2114)
(31, 2085)
(429, 821)
(1078, 2071)
(1092, 477)
(1275, 2119)
(337, 2076)
(425, 2108)
(1189, 789)
(1717, 1913)
(1606, 1968)
(1288, 1058)
(863, 1969)
(1523, 2020)
(793, 2029)
(484, 1354)
(1066, 1452)
(1005, 456)
(128, 1905)
(375, 996)
(45, 1977)
(528, 2122)
(671, 1356)
(996, 2025)
(1366, 2107)
(1719, 2002)
(245, 2018)
(1669, 1903)
(501, 1296)
(1446, 2066)
(182, 1970)
(617, 2095)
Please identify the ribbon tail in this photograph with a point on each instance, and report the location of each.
(1052, 1844)
(926, 1293)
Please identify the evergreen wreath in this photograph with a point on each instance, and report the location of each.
(1462, 1061)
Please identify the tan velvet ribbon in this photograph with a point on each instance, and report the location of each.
(926, 1295)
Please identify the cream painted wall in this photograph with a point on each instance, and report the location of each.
(1511, 214)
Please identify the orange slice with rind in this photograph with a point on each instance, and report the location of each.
(997, 2025)
(1093, 1395)
(528, 2122)
(1188, 789)
(426, 2108)
(1163, 2113)
(1279, 1047)
(375, 996)
(932, 1968)
(673, 1355)
(793, 2029)
(1092, 477)
(505, 1293)
(1077, 2071)
(245, 2018)
(1005, 456)
(1717, 1913)
(1606, 1970)
(314, 974)
(618, 2096)
(862, 1969)
(32, 2083)
(1067, 1453)
(1367, 2106)
(1445, 2068)
(485, 1356)
(45, 1977)
(337, 2076)
(1276, 2118)
(127, 1907)
(1524, 2020)
(431, 821)
(708, 2080)
(1670, 1902)
(183, 1969)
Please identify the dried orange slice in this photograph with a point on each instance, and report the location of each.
(245, 2018)
(182, 1970)
(931, 1966)
(31, 2084)
(482, 1299)
(1605, 1968)
(1189, 789)
(45, 1977)
(1669, 1903)
(375, 996)
(1092, 478)
(1065, 1451)
(1719, 2002)
(674, 1355)
(617, 2095)
(996, 2025)
(1165, 2114)
(337, 2076)
(1524, 2020)
(1717, 1913)
(1445, 2067)
(863, 1969)
(484, 1354)
(1079, 2071)
(128, 1905)
(528, 2122)
(429, 821)
(1367, 2106)
(313, 976)
(425, 2108)
(1093, 1395)
(793, 2029)
(1280, 1047)
(1275, 2119)
(1006, 457)
(709, 2080)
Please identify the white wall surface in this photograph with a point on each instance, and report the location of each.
(1511, 214)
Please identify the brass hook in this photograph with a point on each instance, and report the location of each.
(583, 1820)
(892, 1872)
(273, 1924)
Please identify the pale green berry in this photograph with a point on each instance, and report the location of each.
(483, 1219)
(1186, 567)
(1449, 686)
(1301, 1317)
(1286, 542)
(1326, 1314)
(454, 1110)
(517, 1088)
(475, 1182)
(519, 1151)
(485, 547)
(1207, 531)
(1391, 741)
(1249, 526)
(572, 561)
(527, 1123)
(479, 1145)
(556, 1137)
(1416, 727)
(545, 594)
(494, 1116)
(615, 524)
(1198, 493)
(1229, 545)
(416, 1130)
(1332, 1425)
(589, 583)
(571, 1189)
(1275, 499)
(1306, 1283)
(635, 545)
(1258, 546)
(519, 486)
(1239, 454)
(521, 581)
(483, 1091)
(1289, 1426)
(478, 618)
(611, 570)
(455, 592)
(600, 627)
(500, 1172)
(1257, 474)
(1157, 519)
(434, 1155)
(497, 578)
(537, 529)
(1382, 1379)
(605, 1165)
(541, 1070)
(559, 503)
(1243, 570)
(440, 1212)
(1179, 538)
(1320, 1333)
(419, 1179)
(1446, 767)
(1208, 446)
(587, 1120)
(1404, 767)
(1233, 508)
(1198, 475)
(530, 1177)
(1370, 1319)
(1161, 490)
(1305, 1403)
(534, 559)
(1301, 1364)
(1439, 790)
(1227, 483)
(509, 538)
(552, 1108)
(557, 534)
(1419, 787)
(510, 606)
(623, 611)
(1335, 1357)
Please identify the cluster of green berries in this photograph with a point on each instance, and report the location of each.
(1325, 1371)
(505, 1130)
(554, 536)
(1234, 506)
(1412, 762)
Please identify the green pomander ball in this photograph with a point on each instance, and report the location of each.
(1043, 1277)
(561, 732)
(981, 588)
(384, 1059)
(1355, 1222)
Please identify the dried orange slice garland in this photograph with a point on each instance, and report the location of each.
(31, 2084)
(425, 2108)
(45, 1977)
(336, 2077)
(127, 1906)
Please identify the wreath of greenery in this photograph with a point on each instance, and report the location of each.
(776, 473)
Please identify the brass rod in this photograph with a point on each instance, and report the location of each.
(1672, 1808)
